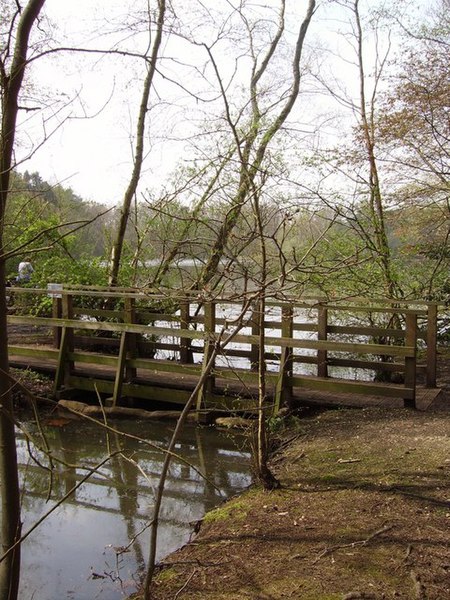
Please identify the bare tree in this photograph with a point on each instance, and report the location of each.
(368, 131)
(13, 63)
(253, 133)
(138, 158)
(359, 191)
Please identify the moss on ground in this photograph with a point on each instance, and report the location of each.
(364, 508)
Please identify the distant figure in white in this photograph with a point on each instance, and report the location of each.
(25, 271)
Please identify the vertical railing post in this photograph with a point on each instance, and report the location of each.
(66, 346)
(207, 388)
(67, 313)
(254, 350)
(410, 361)
(283, 389)
(56, 314)
(127, 350)
(185, 343)
(432, 315)
(120, 367)
(322, 332)
(132, 338)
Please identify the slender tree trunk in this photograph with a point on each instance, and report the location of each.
(117, 249)
(219, 345)
(375, 195)
(265, 475)
(10, 525)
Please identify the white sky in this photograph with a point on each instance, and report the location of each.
(92, 155)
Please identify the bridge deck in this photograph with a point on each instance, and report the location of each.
(425, 397)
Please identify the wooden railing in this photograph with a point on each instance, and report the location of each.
(359, 347)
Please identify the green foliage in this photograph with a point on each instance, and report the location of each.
(60, 269)
(49, 220)
(279, 424)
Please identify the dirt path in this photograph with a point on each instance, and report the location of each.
(363, 513)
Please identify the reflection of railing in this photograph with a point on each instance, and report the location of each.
(203, 474)
(103, 522)
(113, 351)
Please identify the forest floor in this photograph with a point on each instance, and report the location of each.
(363, 513)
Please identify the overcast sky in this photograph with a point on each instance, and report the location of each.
(94, 100)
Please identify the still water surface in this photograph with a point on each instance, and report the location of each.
(76, 552)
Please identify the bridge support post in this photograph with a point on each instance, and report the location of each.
(283, 389)
(56, 314)
(322, 331)
(432, 314)
(118, 381)
(185, 343)
(207, 388)
(131, 341)
(254, 350)
(66, 347)
(410, 361)
(127, 349)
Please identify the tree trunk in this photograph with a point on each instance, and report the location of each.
(375, 196)
(116, 254)
(10, 525)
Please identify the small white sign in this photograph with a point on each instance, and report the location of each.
(54, 287)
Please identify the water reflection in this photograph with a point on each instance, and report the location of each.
(95, 543)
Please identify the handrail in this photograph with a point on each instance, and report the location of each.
(138, 322)
(306, 301)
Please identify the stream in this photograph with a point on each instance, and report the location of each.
(95, 544)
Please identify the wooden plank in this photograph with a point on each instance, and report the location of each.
(366, 331)
(245, 377)
(410, 361)
(103, 360)
(378, 309)
(101, 313)
(353, 387)
(36, 352)
(431, 345)
(106, 326)
(132, 390)
(331, 346)
(120, 370)
(166, 366)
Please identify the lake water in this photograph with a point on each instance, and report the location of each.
(95, 545)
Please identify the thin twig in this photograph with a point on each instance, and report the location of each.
(331, 549)
(185, 584)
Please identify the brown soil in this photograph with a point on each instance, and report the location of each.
(363, 513)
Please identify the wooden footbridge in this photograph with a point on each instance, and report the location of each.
(150, 350)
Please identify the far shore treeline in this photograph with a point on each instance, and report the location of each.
(68, 240)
